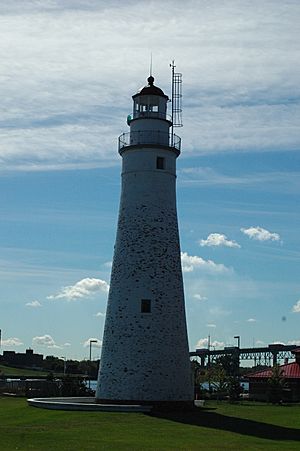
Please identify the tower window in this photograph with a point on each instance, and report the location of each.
(146, 306)
(160, 163)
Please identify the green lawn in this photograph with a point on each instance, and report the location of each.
(220, 426)
(11, 371)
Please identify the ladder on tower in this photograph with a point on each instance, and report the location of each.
(176, 97)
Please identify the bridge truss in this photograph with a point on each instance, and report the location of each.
(269, 355)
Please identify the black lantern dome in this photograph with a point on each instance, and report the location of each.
(150, 89)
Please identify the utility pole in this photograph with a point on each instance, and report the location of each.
(90, 362)
(208, 364)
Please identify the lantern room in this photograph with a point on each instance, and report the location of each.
(150, 102)
(149, 122)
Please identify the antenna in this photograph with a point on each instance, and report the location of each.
(176, 97)
(151, 64)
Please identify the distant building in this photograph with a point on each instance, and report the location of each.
(27, 359)
(259, 385)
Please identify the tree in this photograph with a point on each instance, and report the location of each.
(234, 388)
(73, 386)
(230, 363)
(276, 385)
(231, 376)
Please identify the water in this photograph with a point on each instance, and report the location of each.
(244, 385)
(93, 384)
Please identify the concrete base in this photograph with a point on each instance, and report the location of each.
(155, 405)
(84, 404)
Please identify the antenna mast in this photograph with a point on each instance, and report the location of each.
(150, 64)
(176, 97)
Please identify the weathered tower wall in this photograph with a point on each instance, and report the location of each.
(145, 354)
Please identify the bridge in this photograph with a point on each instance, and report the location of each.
(268, 355)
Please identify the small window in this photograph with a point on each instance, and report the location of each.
(155, 108)
(145, 306)
(160, 163)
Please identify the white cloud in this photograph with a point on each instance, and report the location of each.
(34, 304)
(45, 341)
(96, 342)
(218, 239)
(203, 343)
(296, 307)
(251, 320)
(57, 90)
(217, 344)
(191, 262)
(67, 344)
(11, 342)
(287, 181)
(99, 314)
(84, 288)
(211, 325)
(199, 297)
(260, 234)
(107, 264)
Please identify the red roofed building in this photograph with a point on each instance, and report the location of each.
(259, 381)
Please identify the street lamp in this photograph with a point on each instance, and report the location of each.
(65, 364)
(238, 340)
(208, 364)
(91, 342)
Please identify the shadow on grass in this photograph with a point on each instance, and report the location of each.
(210, 419)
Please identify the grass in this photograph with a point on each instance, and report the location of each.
(11, 371)
(220, 426)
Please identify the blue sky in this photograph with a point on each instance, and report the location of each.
(69, 69)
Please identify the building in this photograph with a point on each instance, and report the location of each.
(27, 359)
(145, 357)
(259, 386)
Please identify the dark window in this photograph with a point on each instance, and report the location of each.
(145, 306)
(160, 163)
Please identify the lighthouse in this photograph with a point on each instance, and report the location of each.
(145, 355)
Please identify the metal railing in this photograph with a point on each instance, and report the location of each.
(152, 137)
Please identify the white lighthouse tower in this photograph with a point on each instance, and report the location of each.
(145, 356)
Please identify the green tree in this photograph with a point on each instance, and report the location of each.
(73, 386)
(231, 375)
(230, 363)
(234, 388)
(276, 385)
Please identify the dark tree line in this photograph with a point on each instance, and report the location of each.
(84, 367)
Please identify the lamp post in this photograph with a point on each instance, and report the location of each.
(238, 338)
(65, 365)
(208, 364)
(91, 342)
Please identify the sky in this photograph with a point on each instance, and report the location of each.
(68, 71)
